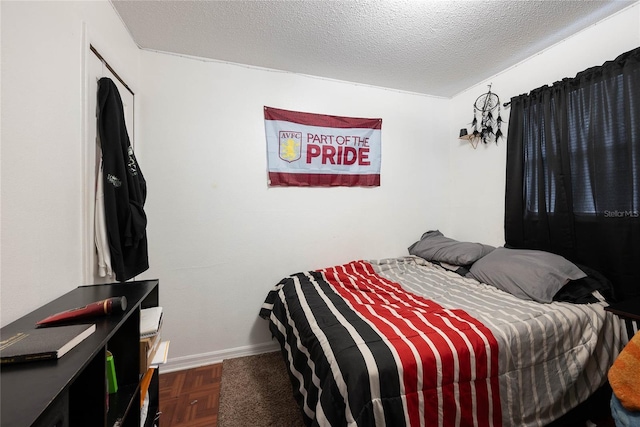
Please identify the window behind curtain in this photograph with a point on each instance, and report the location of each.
(573, 170)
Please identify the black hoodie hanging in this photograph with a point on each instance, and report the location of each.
(125, 189)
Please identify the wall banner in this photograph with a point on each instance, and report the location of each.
(317, 150)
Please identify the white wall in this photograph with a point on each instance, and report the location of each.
(42, 142)
(478, 183)
(220, 239)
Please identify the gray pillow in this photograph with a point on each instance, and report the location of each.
(434, 246)
(526, 274)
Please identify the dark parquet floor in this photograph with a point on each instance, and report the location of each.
(190, 398)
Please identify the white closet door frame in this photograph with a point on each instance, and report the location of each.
(96, 65)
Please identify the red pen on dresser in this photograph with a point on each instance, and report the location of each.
(98, 308)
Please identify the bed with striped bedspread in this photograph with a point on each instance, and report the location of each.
(404, 342)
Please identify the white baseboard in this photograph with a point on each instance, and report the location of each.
(196, 360)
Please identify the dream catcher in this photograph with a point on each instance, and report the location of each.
(486, 119)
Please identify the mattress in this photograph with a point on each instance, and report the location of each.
(402, 341)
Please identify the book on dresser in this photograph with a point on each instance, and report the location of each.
(37, 344)
(150, 322)
(150, 336)
(148, 348)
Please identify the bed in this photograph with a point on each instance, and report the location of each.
(406, 341)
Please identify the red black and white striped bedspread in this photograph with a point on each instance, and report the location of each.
(404, 342)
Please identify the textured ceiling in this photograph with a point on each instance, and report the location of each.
(433, 47)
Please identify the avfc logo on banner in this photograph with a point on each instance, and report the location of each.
(290, 143)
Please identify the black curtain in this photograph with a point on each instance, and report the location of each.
(573, 171)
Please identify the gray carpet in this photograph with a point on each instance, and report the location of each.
(255, 391)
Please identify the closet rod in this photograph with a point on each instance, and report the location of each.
(95, 51)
